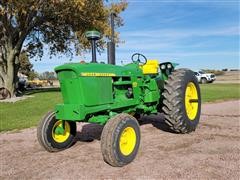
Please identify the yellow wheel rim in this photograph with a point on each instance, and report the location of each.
(127, 141)
(59, 133)
(191, 101)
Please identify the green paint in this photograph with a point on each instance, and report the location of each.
(95, 92)
(100, 119)
(59, 130)
(93, 33)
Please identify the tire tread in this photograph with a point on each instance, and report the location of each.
(107, 139)
(173, 104)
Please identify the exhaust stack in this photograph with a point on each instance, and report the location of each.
(111, 43)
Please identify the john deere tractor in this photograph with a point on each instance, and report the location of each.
(116, 97)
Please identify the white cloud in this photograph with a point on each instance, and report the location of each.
(183, 33)
(175, 40)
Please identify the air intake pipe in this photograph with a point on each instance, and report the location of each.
(93, 36)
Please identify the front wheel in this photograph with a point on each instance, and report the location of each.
(182, 101)
(54, 134)
(120, 140)
(204, 81)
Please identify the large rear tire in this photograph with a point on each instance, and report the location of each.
(120, 140)
(55, 135)
(182, 101)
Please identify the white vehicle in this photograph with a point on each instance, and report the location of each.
(205, 77)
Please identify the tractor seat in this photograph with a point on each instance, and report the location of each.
(151, 67)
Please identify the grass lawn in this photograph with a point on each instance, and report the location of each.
(216, 92)
(27, 113)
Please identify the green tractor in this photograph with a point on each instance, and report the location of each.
(116, 97)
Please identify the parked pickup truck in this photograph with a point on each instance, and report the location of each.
(205, 77)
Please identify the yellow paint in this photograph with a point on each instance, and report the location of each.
(134, 84)
(127, 141)
(151, 67)
(60, 138)
(97, 74)
(191, 107)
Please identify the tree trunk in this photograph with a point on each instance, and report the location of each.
(11, 41)
(10, 78)
(8, 72)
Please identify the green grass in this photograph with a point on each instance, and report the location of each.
(27, 113)
(218, 92)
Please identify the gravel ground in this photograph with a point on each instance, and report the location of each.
(211, 152)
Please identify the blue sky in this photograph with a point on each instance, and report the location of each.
(195, 34)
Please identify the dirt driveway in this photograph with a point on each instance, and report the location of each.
(213, 151)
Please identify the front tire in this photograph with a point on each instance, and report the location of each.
(120, 140)
(55, 135)
(204, 81)
(182, 101)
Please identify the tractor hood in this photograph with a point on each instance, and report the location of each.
(95, 69)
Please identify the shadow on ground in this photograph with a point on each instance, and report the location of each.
(91, 132)
(157, 121)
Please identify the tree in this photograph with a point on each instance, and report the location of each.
(25, 66)
(32, 75)
(58, 23)
(48, 76)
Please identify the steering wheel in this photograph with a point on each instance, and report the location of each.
(140, 58)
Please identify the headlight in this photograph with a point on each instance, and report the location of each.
(163, 66)
(169, 66)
